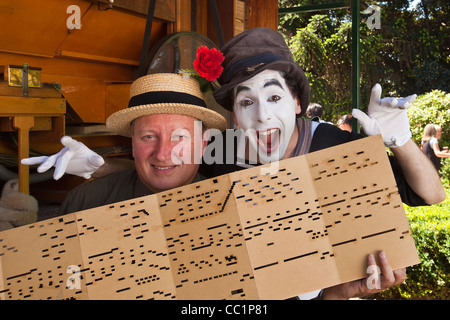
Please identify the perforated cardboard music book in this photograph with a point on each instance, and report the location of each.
(252, 234)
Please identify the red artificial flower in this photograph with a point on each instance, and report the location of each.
(208, 63)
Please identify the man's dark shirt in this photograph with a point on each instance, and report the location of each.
(115, 187)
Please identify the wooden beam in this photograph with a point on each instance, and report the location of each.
(24, 125)
(20, 106)
(164, 10)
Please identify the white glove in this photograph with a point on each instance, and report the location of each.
(387, 117)
(75, 158)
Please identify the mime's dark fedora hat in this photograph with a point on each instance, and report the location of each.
(252, 52)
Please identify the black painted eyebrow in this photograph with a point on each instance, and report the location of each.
(273, 82)
(241, 88)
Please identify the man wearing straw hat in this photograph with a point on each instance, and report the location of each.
(164, 119)
(268, 92)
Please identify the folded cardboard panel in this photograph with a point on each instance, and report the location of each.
(252, 234)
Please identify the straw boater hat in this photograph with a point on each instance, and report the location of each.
(164, 93)
(252, 52)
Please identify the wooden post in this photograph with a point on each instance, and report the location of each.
(23, 125)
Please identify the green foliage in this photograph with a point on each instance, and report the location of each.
(445, 171)
(324, 53)
(430, 74)
(430, 229)
(409, 54)
(432, 107)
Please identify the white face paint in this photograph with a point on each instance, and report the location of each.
(265, 109)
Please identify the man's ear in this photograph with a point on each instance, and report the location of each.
(235, 119)
(204, 145)
(205, 138)
(298, 107)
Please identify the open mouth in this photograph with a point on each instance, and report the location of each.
(268, 139)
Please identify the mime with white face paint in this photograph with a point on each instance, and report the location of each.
(263, 104)
(267, 91)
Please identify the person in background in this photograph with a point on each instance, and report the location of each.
(430, 145)
(315, 113)
(314, 110)
(345, 123)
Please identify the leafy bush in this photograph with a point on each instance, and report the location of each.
(430, 229)
(445, 173)
(432, 107)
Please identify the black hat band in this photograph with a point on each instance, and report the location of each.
(156, 97)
